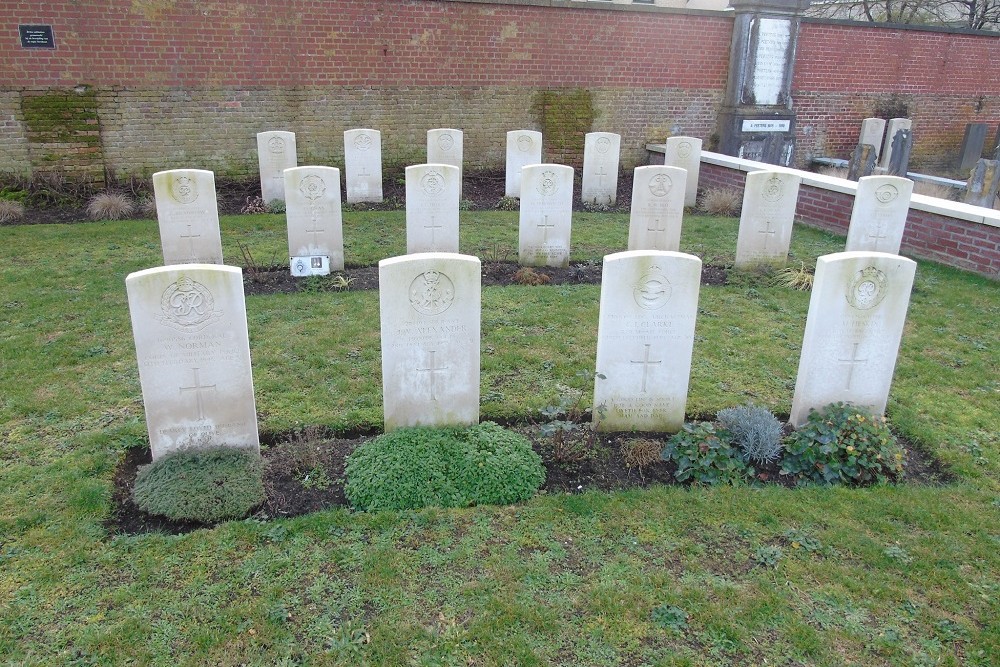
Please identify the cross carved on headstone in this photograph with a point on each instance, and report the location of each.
(432, 227)
(853, 361)
(197, 388)
(768, 233)
(877, 234)
(600, 176)
(433, 369)
(646, 363)
(191, 237)
(545, 225)
(656, 226)
(315, 231)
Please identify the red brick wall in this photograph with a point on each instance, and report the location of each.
(188, 43)
(959, 243)
(845, 72)
(188, 83)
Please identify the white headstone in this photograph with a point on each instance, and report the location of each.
(430, 313)
(879, 214)
(685, 152)
(432, 198)
(445, 146)
(891, 128)
(872, 131)
(657, 208)
(524, 148)
(546, 215)
(856, 315)
(193, 352)
(600, 168)
(188, 215)
(649, 301)
(275, 154)
(771, 59)
(315, 226)
(363, 165)
(769, 200)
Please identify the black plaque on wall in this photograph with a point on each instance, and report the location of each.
(37, 37)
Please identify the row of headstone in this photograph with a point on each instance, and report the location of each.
(878, 217)
(276, 152)
(192, 345)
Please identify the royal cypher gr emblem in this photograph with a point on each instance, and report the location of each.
(867, 289)
(187, 306)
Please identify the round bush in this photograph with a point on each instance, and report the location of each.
(843, 444)
(705, 456)
(449, 467)
(204, 485)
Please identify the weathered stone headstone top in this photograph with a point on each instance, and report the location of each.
(649, 302)
(973, 144)
(657, 208)
(983, 184)
(601, 151)
(193, 352)
(769, 201)
(188, 215)
(275, 154)
(872, 132)
(685, 153)
(857, 311)
(445, 146)
(430, 306)
(878, 218)
(315, 221)
(524, 148)
(545, 222)
(891, 129)
(432, 204)
(363, 165)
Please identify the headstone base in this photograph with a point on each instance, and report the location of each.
(762, 136)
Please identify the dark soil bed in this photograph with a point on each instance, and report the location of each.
(279, 280)
(304, 472)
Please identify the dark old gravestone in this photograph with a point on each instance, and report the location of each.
(899, 160)
(983, 184)
(972, 145)
(996, 145)
(862, 162)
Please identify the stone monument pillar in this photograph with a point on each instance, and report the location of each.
(756, 121)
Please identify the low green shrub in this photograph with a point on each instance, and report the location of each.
(755, 430)
(449, 467)
(843, 444)
(206, 485)
(705, 455)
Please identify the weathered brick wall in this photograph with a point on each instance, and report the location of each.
(180, 82)
(190, 83)
(845, 72)
(960, 243)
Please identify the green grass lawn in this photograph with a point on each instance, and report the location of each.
(899, 575)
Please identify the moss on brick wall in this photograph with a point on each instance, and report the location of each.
(64, 133)
(565, 116)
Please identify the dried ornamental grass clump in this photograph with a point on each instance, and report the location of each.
(800, 278)
(110, 206)
(722, 201)
(10, 211)
(528, 276)
(939, 190)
